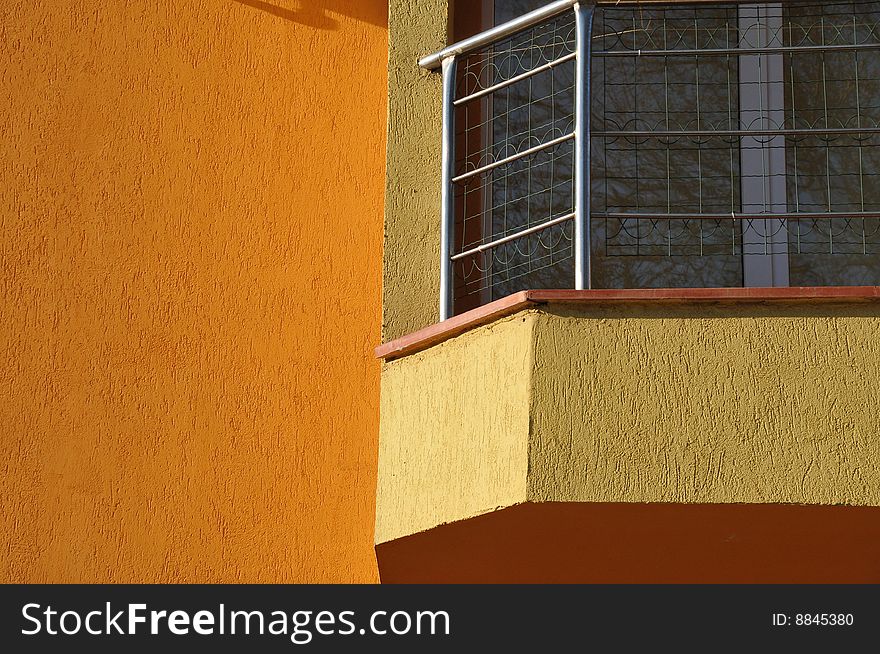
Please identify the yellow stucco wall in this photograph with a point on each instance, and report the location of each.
(702, 404)
(640, 403)
(411, 282)
(191, 197)
(454, 429)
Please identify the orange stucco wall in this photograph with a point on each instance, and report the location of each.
(191, 212)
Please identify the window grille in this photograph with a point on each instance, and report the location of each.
(628, 145)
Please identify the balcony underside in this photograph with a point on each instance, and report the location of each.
(603, 408)
(644, 543)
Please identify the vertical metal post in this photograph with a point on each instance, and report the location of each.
(584, 23)
(447, 194)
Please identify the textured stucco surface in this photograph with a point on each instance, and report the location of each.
(695, 404)
(454, 427)
(640, 403)
(191, 197)
(411, 283)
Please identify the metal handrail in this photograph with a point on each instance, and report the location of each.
(515, 79)
(723, 52)
(447, 60)
(763, 133)
(512, 237)
(514, 157)
(737, 215)
(433, 61)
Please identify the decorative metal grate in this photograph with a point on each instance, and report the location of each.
(638, 145)
(735, 144)
(515, 129)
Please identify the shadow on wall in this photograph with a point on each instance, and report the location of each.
(316, 13)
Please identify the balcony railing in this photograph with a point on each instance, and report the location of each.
(627, 145)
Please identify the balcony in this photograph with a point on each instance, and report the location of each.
(630, 146)
(658, 352)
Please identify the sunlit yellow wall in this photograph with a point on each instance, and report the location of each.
(702, 404)
(411, 281)
(455, 421)
(191, 197)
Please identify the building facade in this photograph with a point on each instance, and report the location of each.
(625, 295)
(192, 217)
(630, 293)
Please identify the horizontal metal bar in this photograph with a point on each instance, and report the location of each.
(671, 4)
(737, 132)
(513, 157)
(736, 216)
(734, 51)
(432, 61)
(496, 33)
(515, 79)
(512, 237)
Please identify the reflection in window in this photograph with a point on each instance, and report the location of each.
(668, 141)
(732, 144)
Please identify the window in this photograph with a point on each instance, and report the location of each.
(729, 145)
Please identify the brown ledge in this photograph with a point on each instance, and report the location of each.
(437, 333)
